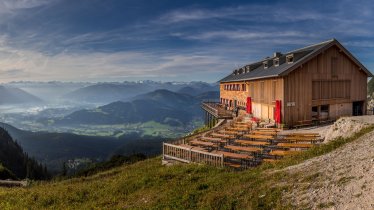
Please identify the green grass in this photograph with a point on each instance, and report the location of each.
(148, 185)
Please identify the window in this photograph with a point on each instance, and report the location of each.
(252, 90)
(347, 88)
(334, 67)
(331, 89)
(265, 65)
(337, 89)
(243, 87)
(325, 89)
(316, 90)
(276, 62)
(262, 89)
(324, 108)
(274, 92)
(289, 58)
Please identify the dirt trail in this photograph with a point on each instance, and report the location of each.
(342, 179)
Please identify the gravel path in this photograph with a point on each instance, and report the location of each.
(342, 179)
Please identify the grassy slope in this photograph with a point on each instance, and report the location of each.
(147, 184)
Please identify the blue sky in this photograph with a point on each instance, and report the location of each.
(167, 40)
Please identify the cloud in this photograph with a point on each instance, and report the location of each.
(8, 6)
(11, 73)
(21, 64)
(240, 34)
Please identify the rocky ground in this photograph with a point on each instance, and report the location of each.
(342, 179)
(345, 126)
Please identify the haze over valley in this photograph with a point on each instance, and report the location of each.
(93, 121)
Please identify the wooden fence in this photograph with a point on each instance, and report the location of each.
(187, 155)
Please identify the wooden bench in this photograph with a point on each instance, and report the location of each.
(233, 155)
(233, 165)
(304, 123)
(262, 137)
(202, 143)
(192, 147)
(302, 139)
(271, 133)
(219, 135)
(268, 160)
(283, 153)
(243, 149)
(302, 134)
(252, 143)
(212, 139)
(268, 129)
(290, 145)
(229, 132)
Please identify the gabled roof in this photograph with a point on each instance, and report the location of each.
(304, 55)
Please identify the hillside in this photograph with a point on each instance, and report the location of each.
(110, 92)
(53, 149)
(149, 185)
(14, 162)
(16, 96)
(161, 106)
(107, 92)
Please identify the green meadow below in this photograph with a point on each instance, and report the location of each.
(149, 185)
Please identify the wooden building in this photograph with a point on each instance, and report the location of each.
(315, 83)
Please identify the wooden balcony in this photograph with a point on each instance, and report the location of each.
(217, 110)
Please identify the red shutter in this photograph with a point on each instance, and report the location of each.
(278, 111)
(249, 105)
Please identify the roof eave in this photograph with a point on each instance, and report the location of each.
(250, 79)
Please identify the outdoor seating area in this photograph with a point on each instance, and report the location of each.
(240, 144)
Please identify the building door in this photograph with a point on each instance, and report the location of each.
(358, 108)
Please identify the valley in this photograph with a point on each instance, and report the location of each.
(60, 128)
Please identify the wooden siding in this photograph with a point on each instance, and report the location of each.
(263, 99)
(298, 86)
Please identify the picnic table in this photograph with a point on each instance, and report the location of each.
(229, 132)
(219, 135)
(283, 153)
(233, 155)
(255, 143)
(302, 134)
(291, 145)
(237, 129)
(302, 139)
(212, 139)
(268, 129)
(272, 133)
(242, 129)
(244, 149)
(202, 143)
(192, 147)
(243, 125)
(268, 160)
(251, 136)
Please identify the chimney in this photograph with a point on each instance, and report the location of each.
(277, 54)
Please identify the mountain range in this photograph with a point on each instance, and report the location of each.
(111, 92)
(9, 95)
(162, 106)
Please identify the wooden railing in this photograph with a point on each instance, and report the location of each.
(216, 109)
(186, 155)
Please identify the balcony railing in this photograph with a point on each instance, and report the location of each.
(216, 109)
